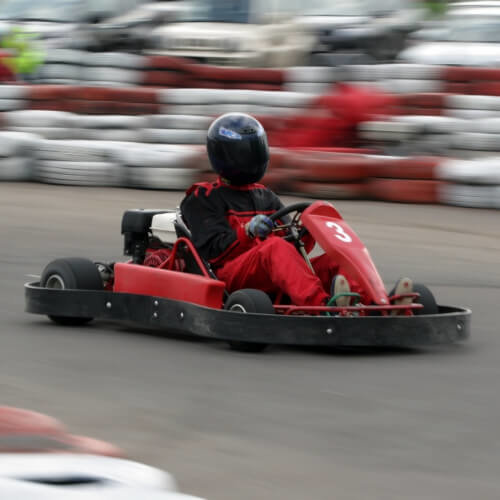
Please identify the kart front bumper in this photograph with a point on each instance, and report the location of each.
(450, 325)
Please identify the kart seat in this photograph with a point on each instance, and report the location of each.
(180, 226)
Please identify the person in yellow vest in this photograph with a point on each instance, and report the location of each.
(24, 56)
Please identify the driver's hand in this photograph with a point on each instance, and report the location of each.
(260, 226)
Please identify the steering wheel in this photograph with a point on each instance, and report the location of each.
(295, 230)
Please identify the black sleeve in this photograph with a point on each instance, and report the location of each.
(205, 216)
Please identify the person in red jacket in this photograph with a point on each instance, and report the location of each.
(332, 119)
(230, 224)
(6, 74)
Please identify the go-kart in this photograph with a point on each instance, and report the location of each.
(167, 285)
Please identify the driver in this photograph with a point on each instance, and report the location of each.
(230, 224)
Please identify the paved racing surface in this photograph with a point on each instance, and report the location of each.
(286, 424)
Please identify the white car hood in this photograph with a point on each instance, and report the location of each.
(453, 53)
(113, 471)
(12, 489)
(41, 28)
(33, 476)
(313, 22)
(208, 30)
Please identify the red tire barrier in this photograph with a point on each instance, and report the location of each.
(275, 87)
(280, 179)
(328, 167)
(404, 191)
(462, 74)
(204, 84)
(487, 88)
(164, 78)
(168, 62)
(112, 107)
(221, 73)
(51, 92)
(52, 105)
(425, 100)
(277, 158)
(126, 95)
(329, 190)
(361, 151)
(423, 168)
(458, 88)
(409, 110)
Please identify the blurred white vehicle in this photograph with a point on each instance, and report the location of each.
(469, 35)
(131, 31)
(58, 22)
(31, 476)
(375, 28)
(236, 33)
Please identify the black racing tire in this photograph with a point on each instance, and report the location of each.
(249, 300)
(426, 299)
(73, 273)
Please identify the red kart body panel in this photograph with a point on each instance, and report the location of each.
(341, 243)
(143, 280)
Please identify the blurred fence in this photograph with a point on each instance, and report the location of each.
(126, 120)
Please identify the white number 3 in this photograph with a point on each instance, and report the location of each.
(341, 234)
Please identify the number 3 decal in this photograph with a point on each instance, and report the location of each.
(341, 234)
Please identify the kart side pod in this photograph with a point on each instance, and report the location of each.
(142, 280)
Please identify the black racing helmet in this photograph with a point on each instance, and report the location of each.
(237, 148)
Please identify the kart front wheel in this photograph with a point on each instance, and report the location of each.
(426, 299)
(249, 301)
(72, 273)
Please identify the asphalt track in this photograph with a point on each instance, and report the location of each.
(286, 424)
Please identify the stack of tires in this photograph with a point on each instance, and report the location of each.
(471, 183)
(213, 102)
(47, 124)
(175, 129)
(157, 167)
(77, 163)
(398, 78)
(310, 79)
(112, 69)
(14, 97)
(412, 134)
(109, 128)
(480, 135)
(327, 175)
(61, 67)
(17, 155)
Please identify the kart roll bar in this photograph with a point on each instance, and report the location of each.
(169, 264)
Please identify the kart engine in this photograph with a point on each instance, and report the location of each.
(136, 230)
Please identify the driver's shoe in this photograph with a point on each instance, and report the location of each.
(340, 291)
(402, 286)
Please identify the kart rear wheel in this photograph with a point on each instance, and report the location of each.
(73, 273)
(249, 301)
(426, 299)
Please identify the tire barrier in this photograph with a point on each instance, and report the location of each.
(404, 191)
(158, 103)
(17, 155)
(63, 66)
(308, 172)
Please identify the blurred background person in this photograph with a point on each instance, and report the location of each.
(24, 57)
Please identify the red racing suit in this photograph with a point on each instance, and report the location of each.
(216, 214)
